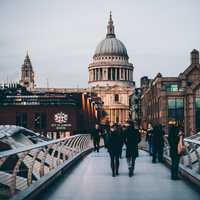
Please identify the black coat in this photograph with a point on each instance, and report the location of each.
(173, 139)
(114, 143)
(131, 139)
(158, 137)
(95, 134)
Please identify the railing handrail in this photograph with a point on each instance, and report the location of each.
(192, 141)
(35, 146)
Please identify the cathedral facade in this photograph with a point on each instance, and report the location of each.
(111, 76)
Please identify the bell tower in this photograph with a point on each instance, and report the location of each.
(27, 74)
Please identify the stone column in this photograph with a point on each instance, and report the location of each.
(111, 115)
(115, 73)
(113, 112)
(90, 75)
(93, 75)
(131, 75)
(122, 117)
(106, 73)
(120, 73)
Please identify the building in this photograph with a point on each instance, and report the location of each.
(53, 115)
(135, 106)
(173, 98)
(111, 76)
(27, 74)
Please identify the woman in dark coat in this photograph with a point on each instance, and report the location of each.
(114, 149)
(173, 138)
(131, 139)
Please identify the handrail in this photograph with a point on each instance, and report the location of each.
(192, 141)
(34, 146)
(21, 167)
(190, 161)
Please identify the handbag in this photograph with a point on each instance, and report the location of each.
(181, 146)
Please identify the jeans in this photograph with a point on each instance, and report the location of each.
(131, 162)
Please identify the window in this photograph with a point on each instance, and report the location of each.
(116, 98)
(176, 109)
(171, 87)
(21, 119)
(40, 120)
(197, 108)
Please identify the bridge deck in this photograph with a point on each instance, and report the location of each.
(92, 179)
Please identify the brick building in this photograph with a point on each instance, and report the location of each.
(54, 115)
(173, 98)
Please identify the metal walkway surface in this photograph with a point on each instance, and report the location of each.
(92, 180)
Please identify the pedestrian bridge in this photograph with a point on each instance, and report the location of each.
(91, 179)
(68, 169)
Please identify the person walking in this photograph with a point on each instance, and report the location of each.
(175, 137)
(149, 138)
(95, 136)
(120, 131)
(157, 143)
(131, 139)
(114, 149)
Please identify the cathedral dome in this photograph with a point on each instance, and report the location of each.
(111, 45)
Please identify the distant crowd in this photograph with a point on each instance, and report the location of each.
(116, 136)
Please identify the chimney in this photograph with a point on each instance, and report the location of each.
(195, 57)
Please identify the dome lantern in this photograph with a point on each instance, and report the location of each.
(111, 46)
(110, 28)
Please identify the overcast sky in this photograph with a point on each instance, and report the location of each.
(61, 36)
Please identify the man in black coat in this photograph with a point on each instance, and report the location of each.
(95, 136)
(131, 139)
(114, 149)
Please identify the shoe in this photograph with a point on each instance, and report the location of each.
(117, 173)
(113, 174)
(130, 172)
(175, 178)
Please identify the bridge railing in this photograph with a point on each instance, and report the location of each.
(190, 161)
(24, 166)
